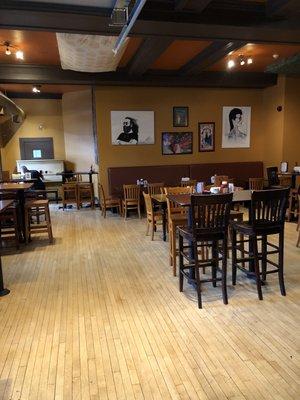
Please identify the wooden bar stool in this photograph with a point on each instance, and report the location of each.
(267, 216)
(37, 209)
(70, 194)
(9, 226)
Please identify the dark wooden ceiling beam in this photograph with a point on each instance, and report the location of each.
(282, 7)
(68, 19)
(200, 5)
(147, 53)
(43, 75)
(209, 56)
(180, 4)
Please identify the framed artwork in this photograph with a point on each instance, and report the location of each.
(132, 127)
(236, 127)
(177, 143)
(206, 132)
(180, 116)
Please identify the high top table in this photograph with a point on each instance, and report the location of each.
(20, 189)
(4, 204)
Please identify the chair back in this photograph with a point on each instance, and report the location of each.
(268, 207)
(155, 188)
(285, 180)
(148, 203)
(132, 192)
(191, 182)
(174, 208)
(256, 183)
(102, 198)
(272, 176)
(219, 179)
(210, 214)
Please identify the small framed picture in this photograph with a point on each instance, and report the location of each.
(206, 131)
(177, 143)
(180, 116)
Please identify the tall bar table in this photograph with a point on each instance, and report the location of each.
(4, 204)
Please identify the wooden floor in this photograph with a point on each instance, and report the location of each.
(98, 315)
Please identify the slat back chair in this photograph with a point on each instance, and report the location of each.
(131, 199)
(177, 216)
(266, 217)
(108, 202)
(285, 180)
(70, 194)
(210, 221)
(155, 188)
(153, 217)
(256, 183)
(86, 193)
(272, 174)
(219, 179)
(191, 183)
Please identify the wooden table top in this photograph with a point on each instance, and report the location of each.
(159, 198)
(184, 200)
(15, 186)
(4, 204)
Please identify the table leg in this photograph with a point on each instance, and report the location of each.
(3, 291)
(21, 201)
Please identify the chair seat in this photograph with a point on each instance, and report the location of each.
(201, 235)
(37, 203)
(248, 229)
(178, 218)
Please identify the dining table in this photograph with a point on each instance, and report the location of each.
(19, 188)
(4, 204)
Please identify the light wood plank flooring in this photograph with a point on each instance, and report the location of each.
(98, 315)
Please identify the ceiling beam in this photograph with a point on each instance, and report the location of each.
(286, 66)
(42, 17)
(282, 7)
(209, 56)
(201, 5)
(147, 53)
(43, 75)
(180, 4)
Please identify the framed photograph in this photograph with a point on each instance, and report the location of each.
(177, 143)
(236, 127)
(132, 127)
(180, 116)
(206, 132)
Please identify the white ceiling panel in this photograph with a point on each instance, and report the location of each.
(87, 3)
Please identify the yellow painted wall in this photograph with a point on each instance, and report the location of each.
(38, 111)
(291, 142)
(204, 105)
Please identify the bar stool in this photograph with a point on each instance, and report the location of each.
(37, 209)
(267, 217)
(209, 227)
(70, 194)
(9, 225)
(85, 193)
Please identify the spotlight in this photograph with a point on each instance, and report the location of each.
(20, 55)
(275, 56)
(36, 89)
(249, 61)
(242, 62)
(230, 64)
(8, 51)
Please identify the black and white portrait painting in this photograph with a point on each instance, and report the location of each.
(132, 127)
(236, 127)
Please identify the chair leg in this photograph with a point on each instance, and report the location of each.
(27, 225)
(147, 229)
(256, 267)
(224, 271)
(233, 249)
(48, 222)
(170, 245)
(215, 263)
(264, 258)
(152, 230)
(139, 210)
(174, 251)
(180, 263)
(197, 275)
(280, 266)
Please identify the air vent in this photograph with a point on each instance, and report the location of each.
(119, 16)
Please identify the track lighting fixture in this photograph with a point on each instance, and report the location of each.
(10, 49)
(36, 89)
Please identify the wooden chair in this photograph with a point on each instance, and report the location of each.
(9, 226)
(85, 193)
(272, 174)
(285, 180)
(131, 199)
(177, 216)
(210, 222)
(108, 202)
(70, 194)
(36, 209)
(219, 179)
(293, 207)
(267, 217)
(256, 183)
(153, 217)
(191, 183)
(155, 188)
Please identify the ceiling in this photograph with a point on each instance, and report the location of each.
(173, 42)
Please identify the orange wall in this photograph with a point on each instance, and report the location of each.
(291, 147)
(204, 105)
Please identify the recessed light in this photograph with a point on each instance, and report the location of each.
(230, 64)
(20, 55)
(8, 51)
(36, 89)
(275, 56)
(249, 60)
